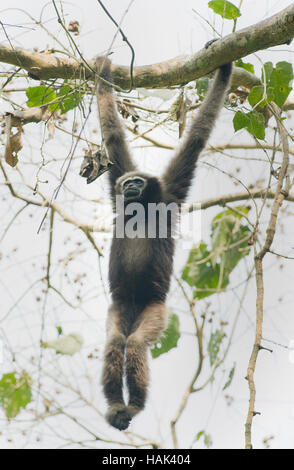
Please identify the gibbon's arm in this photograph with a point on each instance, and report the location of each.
(179, 173)
(111, 128)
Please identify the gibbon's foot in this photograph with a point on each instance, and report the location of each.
(119, 417)
(209, 43)
(134, 410)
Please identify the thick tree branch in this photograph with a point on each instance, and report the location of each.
(273, 31)
(234, 197)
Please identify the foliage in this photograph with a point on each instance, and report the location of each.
(40, 95)
(169, 338)
(244, 65)
(253, 121)
(69, 99)
(66, 98)
(225, 9)
(230, 378)
(276, 87)
(261, 96)
(59, 330)
(214, 345)
(15, 392)
(206, 437)
(207, 271)
(202, 87)
(278, 80)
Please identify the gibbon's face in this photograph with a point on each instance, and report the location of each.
(139, 187)
(132, 188)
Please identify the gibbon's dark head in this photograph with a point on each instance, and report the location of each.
(138, 187)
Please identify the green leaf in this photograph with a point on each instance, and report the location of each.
(169, 338)
(237, 212)
(59, 330)
(66, 344)
(213, 345)
(199, 434)
(253, 121)
(229, 239)
(266, 72)
(225, 9)
(231, 375)
(202, 87)
(15, 392)
(261, 96)
(208, 271)
(286, 70)
(245, 65)
(70, 99)
(39, 95)
(204, 277)
(240, 121)
(207, 440)
(257, 124)
(279, 80)
(281, 94)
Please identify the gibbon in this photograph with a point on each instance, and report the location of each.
(140, 268)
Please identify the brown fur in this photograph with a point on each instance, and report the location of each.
(147, 328)
(140, 268)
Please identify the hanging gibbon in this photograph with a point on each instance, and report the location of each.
(140, 268)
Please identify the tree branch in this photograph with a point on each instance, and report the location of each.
(280, 194)
(273, 31)
(242, 196)
(86, 228)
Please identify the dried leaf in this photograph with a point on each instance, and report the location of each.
(95, 165)
(127, 111)
(74, 27)
(13, 142)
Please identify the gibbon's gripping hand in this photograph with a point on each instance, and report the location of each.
(226, 68)
(210, 42)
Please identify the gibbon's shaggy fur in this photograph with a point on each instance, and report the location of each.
(140, 268)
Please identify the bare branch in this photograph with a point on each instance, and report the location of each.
(273, 31)
(242, 196)
(54, 206)
(280, 195)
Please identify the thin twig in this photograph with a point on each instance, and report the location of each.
(280, 195)
(125, 39)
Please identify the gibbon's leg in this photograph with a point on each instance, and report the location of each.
(112, 377)
(148, 327)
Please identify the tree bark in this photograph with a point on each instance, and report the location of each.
(273, 31)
